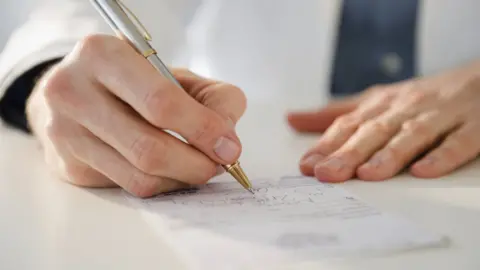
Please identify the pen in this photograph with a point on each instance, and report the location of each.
(127, 26)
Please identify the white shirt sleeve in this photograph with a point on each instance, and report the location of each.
(51, 30)
(55, 26)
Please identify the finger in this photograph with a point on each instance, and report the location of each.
(134, 80)
(153, 151)
(459, 148)
(414, 137)
(110, 163)
(56, 136)
(80, 174)
(342, 165)
(339, 133)
(319, 121)
(225, 99)
(356, 149)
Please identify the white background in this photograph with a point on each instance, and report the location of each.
(13, 13)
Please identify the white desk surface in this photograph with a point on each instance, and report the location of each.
(46, 224)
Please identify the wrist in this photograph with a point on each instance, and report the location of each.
(13, 104)
(35, 103)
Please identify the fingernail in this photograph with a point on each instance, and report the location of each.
(428, 161)
(334, 163)
(377, 160)
(226, 149)
(312, 160)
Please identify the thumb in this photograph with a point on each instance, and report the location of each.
(225, 99)
(320, 120)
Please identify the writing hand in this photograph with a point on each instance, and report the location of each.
(102, 114)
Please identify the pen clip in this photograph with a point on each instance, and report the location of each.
(143, 30)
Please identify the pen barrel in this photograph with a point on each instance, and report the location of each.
(160, 66)
(121, 23)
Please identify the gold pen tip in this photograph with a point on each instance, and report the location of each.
(237, 172)
(251, 191)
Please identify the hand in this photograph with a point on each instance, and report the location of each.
(429, 125)
(103, 113)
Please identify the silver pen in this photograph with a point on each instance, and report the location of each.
(128, 27)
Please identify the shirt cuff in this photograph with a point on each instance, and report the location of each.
(13, 102)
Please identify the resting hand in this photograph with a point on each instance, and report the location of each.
(429, 125)
(101, 116)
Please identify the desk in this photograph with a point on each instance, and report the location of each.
(47, 224)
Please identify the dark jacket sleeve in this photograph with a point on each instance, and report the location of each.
(13, 103)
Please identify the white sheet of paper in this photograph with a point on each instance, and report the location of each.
(222, 226)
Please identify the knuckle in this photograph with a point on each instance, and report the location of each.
(142, 186)
(54, 129)
(384, 97)
(384, 91)
(90, 46)
(98, 46)
(147, 154)
(352, 155)
(346, 122)
(378, 127)
(206, 131)
(375, 88)
(416, 128)
(56, 86)
(79, 175)
(417, 98)
(159, 106)
(57, 128)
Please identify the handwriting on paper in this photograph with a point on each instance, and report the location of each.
(285, 218)
(290, 198)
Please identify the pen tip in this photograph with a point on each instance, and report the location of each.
(237, 172)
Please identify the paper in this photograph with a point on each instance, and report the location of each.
(288, 219)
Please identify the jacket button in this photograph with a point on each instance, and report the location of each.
(391, 64)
